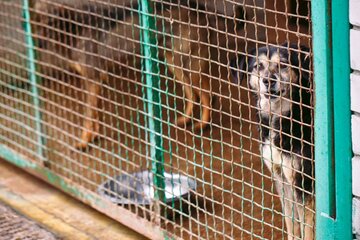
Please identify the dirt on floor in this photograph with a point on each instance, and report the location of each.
(235, 197)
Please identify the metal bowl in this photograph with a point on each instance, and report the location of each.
(138, 188)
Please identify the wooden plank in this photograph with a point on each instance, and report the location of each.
(56, 211)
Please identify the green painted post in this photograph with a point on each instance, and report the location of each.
(153, 98)
(342, 117)
(324, 165)
(31, 65)
(332, 119)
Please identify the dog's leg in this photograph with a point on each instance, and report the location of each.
(190, 97)
(91, 123)
(289, 210)
(205, 101)
(291, 220)
(307, 218)
(202, 84)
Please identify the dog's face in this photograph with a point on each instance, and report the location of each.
(272, 73)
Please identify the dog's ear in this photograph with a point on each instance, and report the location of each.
(239, 16)
(241, 66)
(305, 62)
(299, 58)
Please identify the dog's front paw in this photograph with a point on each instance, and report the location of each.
(182, 121)
(200, 126)
(88, 135)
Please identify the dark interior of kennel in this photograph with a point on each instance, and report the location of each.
(235, 197)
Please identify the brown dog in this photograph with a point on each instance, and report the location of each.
(101, 45)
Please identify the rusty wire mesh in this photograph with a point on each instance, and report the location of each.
(93, 48)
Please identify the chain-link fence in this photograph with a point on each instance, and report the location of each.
(187, 117)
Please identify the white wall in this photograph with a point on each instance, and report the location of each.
(355, 107)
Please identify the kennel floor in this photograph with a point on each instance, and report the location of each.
(235, 196)
(15, 226)
(43, 212)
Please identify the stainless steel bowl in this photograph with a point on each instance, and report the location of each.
(138, 188)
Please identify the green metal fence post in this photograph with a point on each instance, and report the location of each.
(31, 65)
(332, 119)
(153, 98)
(324, 166)
(342, 117)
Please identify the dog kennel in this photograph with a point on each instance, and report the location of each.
(131, 107)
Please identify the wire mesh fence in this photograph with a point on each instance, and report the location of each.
(193, 115)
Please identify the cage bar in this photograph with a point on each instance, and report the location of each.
(34, 80)
(153, 99)
(342, 118)
(332, 119)
(324, 113)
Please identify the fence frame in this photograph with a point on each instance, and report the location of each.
(332, 126)
(153, 99)
(332, 119)
(34, 80)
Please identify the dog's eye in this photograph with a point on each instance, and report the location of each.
(260, 66)
(283, 65)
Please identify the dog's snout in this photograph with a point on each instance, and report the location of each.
(271, 80)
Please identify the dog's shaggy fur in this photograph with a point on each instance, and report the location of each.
(102, 39)
(280, 81)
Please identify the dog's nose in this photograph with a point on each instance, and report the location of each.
(271, 80)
